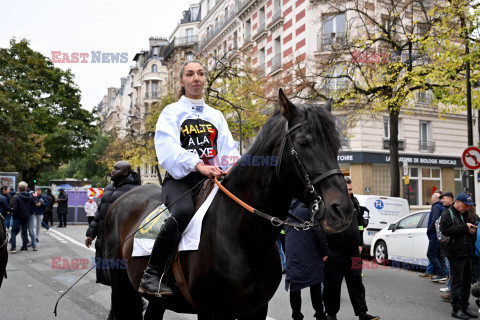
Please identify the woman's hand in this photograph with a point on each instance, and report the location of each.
(208, 170)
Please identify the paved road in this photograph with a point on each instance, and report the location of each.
(33, 286)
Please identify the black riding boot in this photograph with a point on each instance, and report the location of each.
(160, 259)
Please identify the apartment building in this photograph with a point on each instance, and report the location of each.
(183, 44)
(125, 109)
(278, 33)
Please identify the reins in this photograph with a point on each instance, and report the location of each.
(317, 207)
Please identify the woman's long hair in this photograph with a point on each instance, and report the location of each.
(181, 92)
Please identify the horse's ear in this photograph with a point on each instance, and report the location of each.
(287, 108)
(328, 105)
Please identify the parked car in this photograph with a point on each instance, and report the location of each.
(383, 212)
(404, 241)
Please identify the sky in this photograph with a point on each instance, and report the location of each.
(84, 26)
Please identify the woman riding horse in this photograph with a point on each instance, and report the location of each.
(189, 135)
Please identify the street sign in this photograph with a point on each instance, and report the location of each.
(471, 158)
(405, 168)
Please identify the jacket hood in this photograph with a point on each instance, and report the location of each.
(131, 178)
(24, 195)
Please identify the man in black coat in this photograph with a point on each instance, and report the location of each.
(22, 210)
(455, 224)
(62, 208)
(306, 250)
(345, 261)
(123, 180)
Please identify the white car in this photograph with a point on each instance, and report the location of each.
(404, 242)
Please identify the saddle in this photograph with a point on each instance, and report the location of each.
(176, 267)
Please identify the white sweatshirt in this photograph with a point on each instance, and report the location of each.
(187, 134)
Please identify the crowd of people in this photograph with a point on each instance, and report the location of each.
(453, 251)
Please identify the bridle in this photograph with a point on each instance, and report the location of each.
(317, 206)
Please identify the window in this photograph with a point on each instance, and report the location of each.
(277, 55)
(386, 127)
(334, 31)
(188, 56)
(261, 61)
(410, 222)
(458, 181)
(208, 6)
(335, 84)
(154, 89)
(155, 51)
(248, 30)
(423, 182)
(424, 97)
(426, 142)
(261, 19)
(154, 68)
(235, 42)
(189, 33)
(194, 14)
(381, 179)
(342, 128)
(226, 13)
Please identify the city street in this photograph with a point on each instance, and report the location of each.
(33, 287)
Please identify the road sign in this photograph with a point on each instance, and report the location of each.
(471, 158)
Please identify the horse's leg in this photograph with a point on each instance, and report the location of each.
(126, 301)
(155, 310)
(259, 314)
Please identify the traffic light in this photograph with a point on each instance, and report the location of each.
(34, 180)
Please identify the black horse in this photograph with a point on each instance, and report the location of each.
(236, 270)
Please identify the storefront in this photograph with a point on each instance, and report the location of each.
(370, 172)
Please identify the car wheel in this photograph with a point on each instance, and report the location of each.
(381, 252)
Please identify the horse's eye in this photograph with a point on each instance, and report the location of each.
(304, 144)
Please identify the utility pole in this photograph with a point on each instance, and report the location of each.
(471, 175)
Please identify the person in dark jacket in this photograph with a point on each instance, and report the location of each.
(4, 203)
(305, 251)
(22, 210)
(123, 180)
(433, 251)
(49, 207)
(345, 261)
(454, 224)
(62, 208)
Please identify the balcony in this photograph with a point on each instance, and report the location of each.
(277, 20)
(147, 95)
(241, 4)
(335, 86)
(247, 43)
(218, 28)
(276, 64)
(332, 41)
(261, 32)
(386, 144)
(426, 146)
(181, 42)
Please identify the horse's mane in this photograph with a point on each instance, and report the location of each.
(319, 122)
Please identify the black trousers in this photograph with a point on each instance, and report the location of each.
(48, 216)
(183, 209)
(62, 219)
(337, 267)
(316, 296)
(460, 281)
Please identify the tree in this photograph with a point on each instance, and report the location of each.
(374, 65)
(42, 123)
(239, 91)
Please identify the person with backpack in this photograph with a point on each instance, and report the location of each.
(433, 251)
(455, 225)
(447, 201)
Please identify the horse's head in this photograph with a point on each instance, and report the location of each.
(308, 163)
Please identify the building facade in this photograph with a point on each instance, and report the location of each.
(279, 34)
